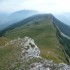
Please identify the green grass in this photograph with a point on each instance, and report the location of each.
(3, 41)
(8, 55)
(44, 35)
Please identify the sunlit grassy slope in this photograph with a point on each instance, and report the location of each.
(43, 32)
(8, 54)
(3, 41)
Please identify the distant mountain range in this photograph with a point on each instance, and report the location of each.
(6, 20)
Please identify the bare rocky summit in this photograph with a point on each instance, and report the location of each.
(30, 58)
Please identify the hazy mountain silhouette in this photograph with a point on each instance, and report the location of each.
(15, 17)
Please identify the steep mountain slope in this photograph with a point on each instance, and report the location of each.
(42, 30)
(15, 17)
(63, 27)
(63, 34)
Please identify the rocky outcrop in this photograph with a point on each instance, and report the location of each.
(29, 49)
(30, 58)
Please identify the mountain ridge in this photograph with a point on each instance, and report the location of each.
(42, 28)
(38, 26)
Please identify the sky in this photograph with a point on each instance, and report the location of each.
(46, 6)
